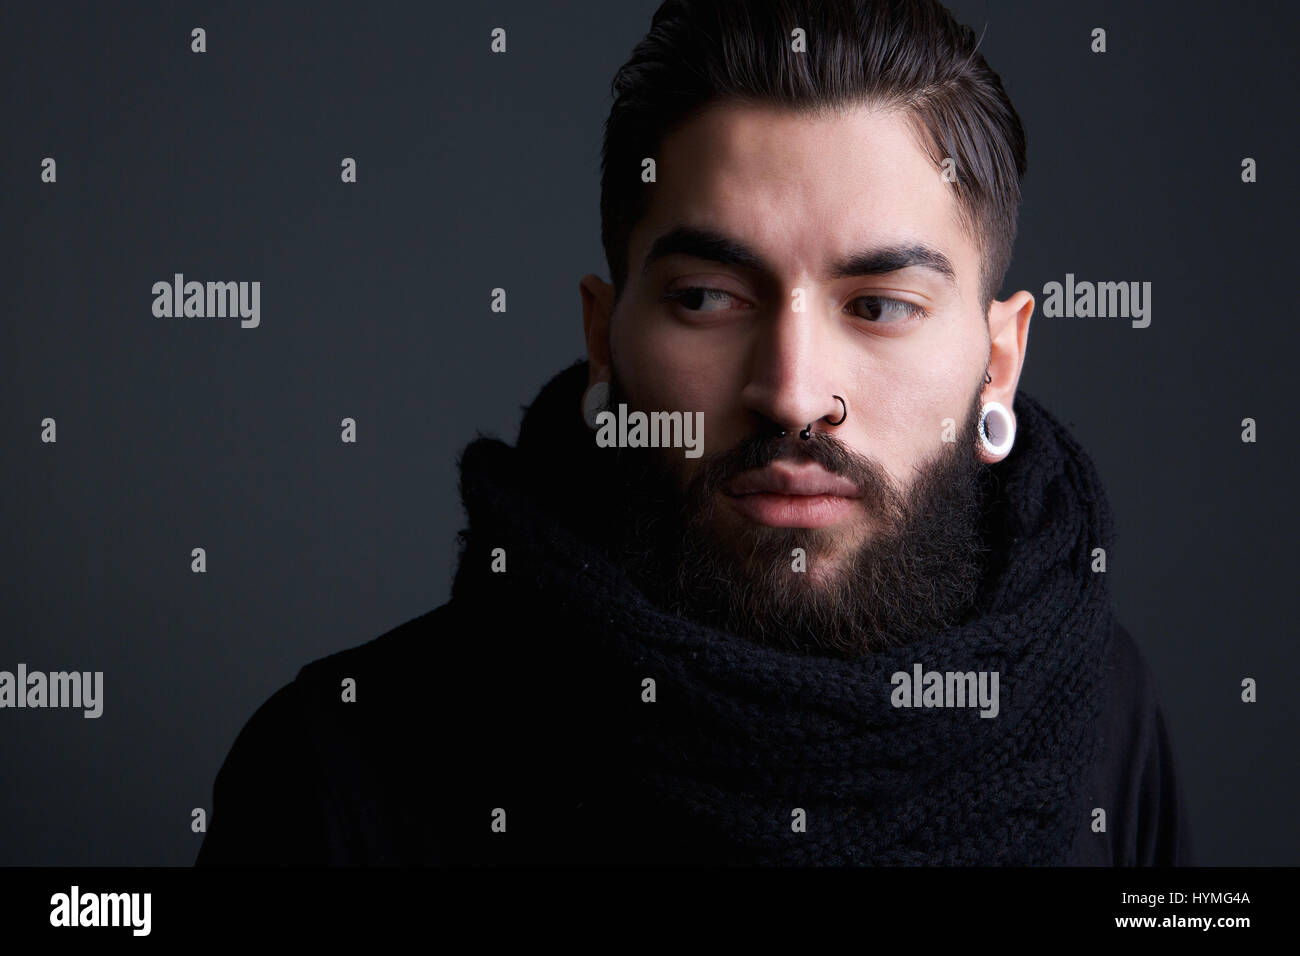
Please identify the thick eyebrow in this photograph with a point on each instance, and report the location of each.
(713, 246)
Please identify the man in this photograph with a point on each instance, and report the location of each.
(787, 571)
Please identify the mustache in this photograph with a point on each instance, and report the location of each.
(650, 475)
(760, 450)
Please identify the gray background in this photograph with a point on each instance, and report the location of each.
(478, 171)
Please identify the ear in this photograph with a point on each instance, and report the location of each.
(1008, 321)
(597, 308)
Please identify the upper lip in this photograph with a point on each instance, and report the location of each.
(809, 479)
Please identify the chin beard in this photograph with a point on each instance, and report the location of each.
(918, 573)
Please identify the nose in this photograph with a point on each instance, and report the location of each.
(790, 371)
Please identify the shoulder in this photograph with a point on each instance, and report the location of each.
(287, 791)
(353, 703)
(400, 655)
(1132, 700)
(1134, 778)
(258, 815)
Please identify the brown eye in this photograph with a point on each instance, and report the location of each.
(694, 297)
(891, 311)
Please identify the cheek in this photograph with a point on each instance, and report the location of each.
(902, 405)
(665, 367)
(661, 370)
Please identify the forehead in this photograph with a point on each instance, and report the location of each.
(804, 188)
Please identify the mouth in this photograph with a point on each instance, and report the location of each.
(792, 496)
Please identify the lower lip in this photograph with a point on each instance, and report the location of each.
(793, 511)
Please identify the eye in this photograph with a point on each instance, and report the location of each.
(892, 311)
(879, 309)
(693, 297)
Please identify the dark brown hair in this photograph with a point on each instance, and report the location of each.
(908, 54)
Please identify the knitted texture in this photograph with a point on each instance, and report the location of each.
(741, 736)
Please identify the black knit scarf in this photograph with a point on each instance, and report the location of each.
(741, 738)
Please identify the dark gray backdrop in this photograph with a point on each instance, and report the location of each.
(479, 170)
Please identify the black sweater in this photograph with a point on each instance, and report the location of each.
(387, 779)
(519, 697)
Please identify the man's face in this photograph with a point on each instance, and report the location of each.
(826, 278)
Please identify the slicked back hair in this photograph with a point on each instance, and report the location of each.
(901, 54)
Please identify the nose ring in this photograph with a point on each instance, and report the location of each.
(844, 413)
(806, 432)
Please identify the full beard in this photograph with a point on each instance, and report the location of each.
(917, 573)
